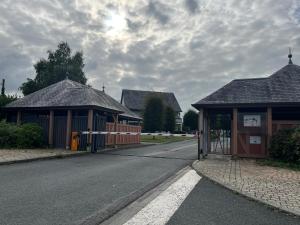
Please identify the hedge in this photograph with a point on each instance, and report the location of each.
(27, 135)
(285, 145)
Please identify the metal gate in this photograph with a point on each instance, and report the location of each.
(59, 131)
(219, 136)
(98, 141)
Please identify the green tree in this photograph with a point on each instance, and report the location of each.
(59, 65)
(190, 120)
(5, 99)
(170, 119)
(154, 115)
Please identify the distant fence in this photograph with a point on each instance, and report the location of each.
(122, 139)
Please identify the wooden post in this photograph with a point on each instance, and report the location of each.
(115, 117)
(51, 127)
(69, 128)
(90, 124)
(269, 126)
(235, 131)
(205, 136)
(19, 118)
(200, 127)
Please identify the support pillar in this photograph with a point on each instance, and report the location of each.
(90, 124)
(205, 133)
(234, 132)
(115, 117)
(51, 127)
(69, 128)
(19, 117)
(269, 126)
(201, 128)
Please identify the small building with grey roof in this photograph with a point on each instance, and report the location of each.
(136, 101)
(240, 118)
(68, 106)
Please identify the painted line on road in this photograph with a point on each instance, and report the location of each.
(171, 150)
(161, 209)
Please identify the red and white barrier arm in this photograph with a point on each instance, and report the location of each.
(137, 133)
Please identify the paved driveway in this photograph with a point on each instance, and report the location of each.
(67, 191)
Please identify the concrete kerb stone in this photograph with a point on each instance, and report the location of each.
(249, 197)
(59, 156)
(77, 154)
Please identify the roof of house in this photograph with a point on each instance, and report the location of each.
(136, 100)
(68, 93)
(281, 87)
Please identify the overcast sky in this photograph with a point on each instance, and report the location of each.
(189, 47)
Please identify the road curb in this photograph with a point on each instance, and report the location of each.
(249, 197)
(78, 154)
(104, 214)
(43, 158)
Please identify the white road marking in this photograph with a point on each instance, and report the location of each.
(171, 150)
(161, 209)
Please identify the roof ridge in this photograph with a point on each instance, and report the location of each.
(253, 78)
(167, 92)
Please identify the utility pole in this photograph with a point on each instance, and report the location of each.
(3, 87)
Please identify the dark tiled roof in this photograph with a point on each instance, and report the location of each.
(281, 87)
(68, 93)
(136, 100)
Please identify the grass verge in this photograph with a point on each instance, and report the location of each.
(277, 163)
(161, 139)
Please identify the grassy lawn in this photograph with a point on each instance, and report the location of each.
(275, 163)
(160, 139)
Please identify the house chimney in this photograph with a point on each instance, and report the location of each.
(3, 87)
(290, 56)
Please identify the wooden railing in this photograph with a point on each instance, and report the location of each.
(284, 124)
(122, 139)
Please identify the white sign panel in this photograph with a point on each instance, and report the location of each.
(252, 121)
(255, 140)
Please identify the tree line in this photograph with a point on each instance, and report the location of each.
(158, 117)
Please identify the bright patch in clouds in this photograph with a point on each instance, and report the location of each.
(115, 23)
(190, 47)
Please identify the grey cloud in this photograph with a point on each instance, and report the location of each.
(133, 26)
(154, 9)
(192, 54)
(192, 6)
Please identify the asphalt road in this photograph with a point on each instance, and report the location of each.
(67, 191)
(211, 204)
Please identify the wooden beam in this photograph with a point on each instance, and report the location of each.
(51, 127)
(19, 115)
(235, 132)
(116, 118)
(269, 126)
(201, 128)
(69, 128)
(90, 124)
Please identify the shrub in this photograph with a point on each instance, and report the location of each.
(285, 145)
(8, 135)
(29, 135)
(22, 136)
